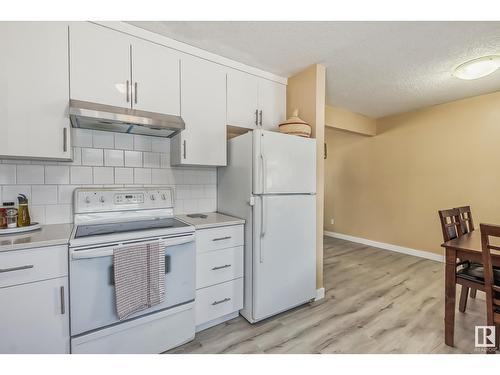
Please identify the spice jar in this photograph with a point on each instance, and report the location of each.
(3, 219)
(11, 217)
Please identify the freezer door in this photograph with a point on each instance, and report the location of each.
(283, 163)
(284, 256)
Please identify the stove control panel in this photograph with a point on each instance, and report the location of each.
(122, 199)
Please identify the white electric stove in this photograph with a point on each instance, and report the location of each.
(105, 219)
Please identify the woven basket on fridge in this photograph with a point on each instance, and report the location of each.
(296, 126)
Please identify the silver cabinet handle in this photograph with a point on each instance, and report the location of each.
(222, 238)
(221, 267)
(260, 114)
(63, 305)
(135, 92)
(184, 151)
(128, 90)
(256, 117)
(65, 139)
(20, 268)
(221, 301)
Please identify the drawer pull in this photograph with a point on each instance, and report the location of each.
(221, 301)
(222, 238)
(221, 267)
(3, 270)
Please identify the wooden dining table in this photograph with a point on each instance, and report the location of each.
(466, 247)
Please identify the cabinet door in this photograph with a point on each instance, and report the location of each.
(100, 65)
(155, 77)
(272, 103)
(203, 108)
(34, 82)
(242, 99)
(34, 317)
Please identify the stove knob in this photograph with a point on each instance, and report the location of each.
(87, 200)
(153, 197)
(163, 197)
(102, 199)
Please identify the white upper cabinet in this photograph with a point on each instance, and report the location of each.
(34, 90)
(203, 108)
(155, 77)
(109, 67)
(242, 99)
(100, 65)
(254, 102)
(272, 104)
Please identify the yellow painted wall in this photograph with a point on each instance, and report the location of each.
(306, 92)
(388, 188)
(340, 118)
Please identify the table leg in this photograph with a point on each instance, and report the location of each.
(449, 296)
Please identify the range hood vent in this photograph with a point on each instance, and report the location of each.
(87, 115)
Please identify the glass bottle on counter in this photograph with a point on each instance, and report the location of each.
(23, 215)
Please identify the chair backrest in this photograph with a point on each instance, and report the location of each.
(492, 289)
(465, 217)
(450, 224)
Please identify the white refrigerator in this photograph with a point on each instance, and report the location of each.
(270, 181)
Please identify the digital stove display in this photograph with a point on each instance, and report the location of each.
(131, 226)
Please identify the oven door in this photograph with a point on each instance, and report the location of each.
(92, 292)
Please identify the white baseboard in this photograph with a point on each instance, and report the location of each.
(320, 294)
(387, 246)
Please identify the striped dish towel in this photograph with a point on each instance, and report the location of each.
(139, 273)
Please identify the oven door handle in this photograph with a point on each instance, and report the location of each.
(107, 251)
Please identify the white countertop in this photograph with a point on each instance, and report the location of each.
(48, 235)
(213, 220)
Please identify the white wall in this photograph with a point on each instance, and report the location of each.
(102, 159)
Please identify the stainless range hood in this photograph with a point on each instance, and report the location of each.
(87, 115)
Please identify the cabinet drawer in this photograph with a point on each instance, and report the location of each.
(215, 267)
(218, 300)
(24, 266)
(219, 238)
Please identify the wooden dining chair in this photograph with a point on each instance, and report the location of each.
(491, 277)
(469, 275)
(466, 225)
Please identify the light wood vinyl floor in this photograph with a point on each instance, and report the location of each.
(376, 301)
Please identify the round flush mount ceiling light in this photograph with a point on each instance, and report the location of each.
(477, 68)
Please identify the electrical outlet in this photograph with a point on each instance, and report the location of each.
(332, 221)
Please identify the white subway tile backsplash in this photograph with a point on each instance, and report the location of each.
(81, 137)
(81, 175)
(142, 176)
(37, 214)
(164, 160)
(151, 160)
(58, 214)
(7, 174)
(124, 141)
(56, 174)
(103, 139)
(113, 158)
(10, 192)
(124, 175)
(44, 194)
(30, 174)
(102, 159)
(160, 145)
(133, 159)
(142, 143)
(92, 156)
(65, 194)
(103, 175)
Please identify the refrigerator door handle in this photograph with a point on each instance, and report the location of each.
(262, 228)
(264, 173)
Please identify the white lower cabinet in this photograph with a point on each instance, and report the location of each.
(219, 275)
(34, 312)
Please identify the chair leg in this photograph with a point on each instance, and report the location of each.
(473, 293)
(464, 292)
